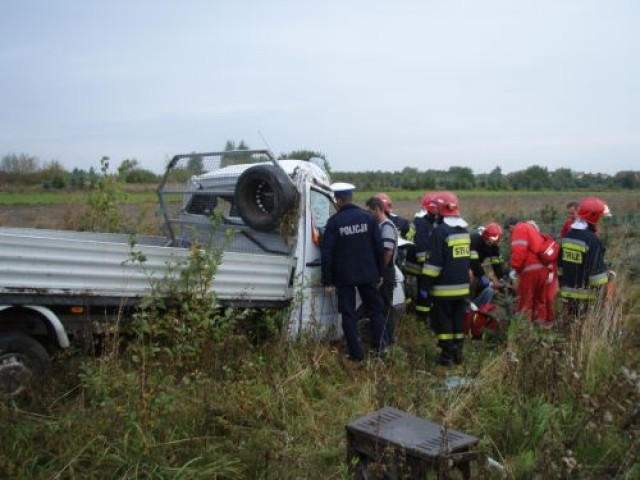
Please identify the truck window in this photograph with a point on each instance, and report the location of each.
(322, 208)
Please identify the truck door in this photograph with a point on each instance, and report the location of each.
(318, 312)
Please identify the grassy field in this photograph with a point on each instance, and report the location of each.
(58, 198)
(214, 399)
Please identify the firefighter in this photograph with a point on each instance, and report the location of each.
(582, 258)
(352, 259)
(401, 223)
(532, 275)
(446, 278)
(485, 245)
(423, 224)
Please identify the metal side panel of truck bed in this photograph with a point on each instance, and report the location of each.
(39, 264)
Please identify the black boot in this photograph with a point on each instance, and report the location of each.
(446, 353)
(458, 357)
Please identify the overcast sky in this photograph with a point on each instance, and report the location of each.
(371, 84)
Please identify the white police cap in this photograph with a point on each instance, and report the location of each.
(342, 189)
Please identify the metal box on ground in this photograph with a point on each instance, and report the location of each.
(391, 444)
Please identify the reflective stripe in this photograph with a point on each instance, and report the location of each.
(421, 257)
(535, 266)
(431, 270)
(445, 336)
(458, 336)
(450, 290)
(573, 244)
(421, 308)
(578, 293)
(475, 255)
(496, 260)
(458, 239)
(519, 242)
(410, 267)
(599, 279)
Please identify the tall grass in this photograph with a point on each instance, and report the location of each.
(545, 404)
(183, 390)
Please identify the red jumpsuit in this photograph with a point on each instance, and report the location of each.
(532, 274)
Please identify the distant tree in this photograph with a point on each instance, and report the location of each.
(53, 175)
(129, 171)
(195, 165)
(563, 179)
(533, 178)
(461, 178)
(627, 179)
(236, 159)
(20, 164)
(496, 180)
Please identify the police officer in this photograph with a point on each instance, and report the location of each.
(352, 258)
(446, 278)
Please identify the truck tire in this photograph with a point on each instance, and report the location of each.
(22, 362)
(263, 195)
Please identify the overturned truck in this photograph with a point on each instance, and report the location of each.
(58, 287)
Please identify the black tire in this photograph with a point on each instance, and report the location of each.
(22, 362)
(263, 195)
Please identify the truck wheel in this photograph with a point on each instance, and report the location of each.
(263, 195)
(22, 361)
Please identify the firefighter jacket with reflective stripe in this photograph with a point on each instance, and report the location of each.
(526, 241)
(446, 272)
(352, 252)
(419, 233)
(480, 251)
(423, 226)
(582, 262)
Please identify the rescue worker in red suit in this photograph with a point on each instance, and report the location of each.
(582, 258)
(421, 228)
(532, 275)
(446, 278)
(401, 223)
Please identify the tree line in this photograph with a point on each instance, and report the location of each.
(463, 178)
(25, 169)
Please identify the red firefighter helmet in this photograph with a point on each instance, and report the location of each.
(592, 209)
(492, 232)
(386, 201)
(429, 204)
(448, 205)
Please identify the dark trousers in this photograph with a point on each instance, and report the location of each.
(386, 291)
(447, 319)
(372, 301)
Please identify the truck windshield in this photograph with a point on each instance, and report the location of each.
(322, 208)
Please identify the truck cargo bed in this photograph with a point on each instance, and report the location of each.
(42, 265)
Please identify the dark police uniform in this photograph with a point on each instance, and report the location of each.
(583, 269)
(447, 281)
(352, 257)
